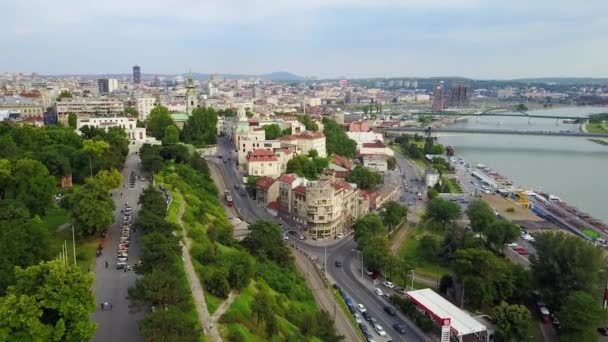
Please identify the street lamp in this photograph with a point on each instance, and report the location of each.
(412, 274)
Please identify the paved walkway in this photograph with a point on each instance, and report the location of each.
(223, 307)
(204, 318)
(111, 284)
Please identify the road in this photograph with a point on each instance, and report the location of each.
(111, 285)
(347, 277)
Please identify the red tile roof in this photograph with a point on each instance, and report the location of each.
(358, 126)
(261, 156)
(342, 161)
(300, 189)
(265, 182)
(287, 178)
(375, 144)
(341, 186)
(307, 135)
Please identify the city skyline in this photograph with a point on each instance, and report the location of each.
(356, 39)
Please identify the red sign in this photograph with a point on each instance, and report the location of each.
(445, 322)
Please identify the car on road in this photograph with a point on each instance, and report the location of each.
(340, 235)
(388, 284)
(386, 296)
(338, 263)
(368, 272)
(512, 244)
(121, 265)
(400, 328)
(378, 291)
(358, 317)
(390, 311)
(523, 252)
(361, 308)
(366, 316)
(379, 330)
(400, 289)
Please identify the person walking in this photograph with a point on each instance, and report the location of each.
(106, 263)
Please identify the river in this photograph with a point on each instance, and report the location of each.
(574, 169)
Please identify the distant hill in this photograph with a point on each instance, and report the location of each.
(282, 76)
(565, 80)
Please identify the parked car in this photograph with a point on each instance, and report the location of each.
(378, 291)
(390, 311)
(366, 316)
(361, 308)
(338, 263)
(523, 252)
(368, 272)
(386, 296)
(399, 327)
(358, 317)
(388, 284)
(400, 289)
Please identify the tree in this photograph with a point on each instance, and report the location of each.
(272, 131)
(391, 163)
(217, 283)
(579, 317)
(91, 207)
(160, 287)
(308, 123)
(201, 127)
(72, 120)
(265, 242)
(429, 247)
(64, 94)
(131, 112)
(158, 120)
(413, 151)
(393, 213)
(306, 167)
(368, 225)
(375, 252)
(94, 148)
(432, 193)
(22, 241)
(500, 233)
(481, 215)
(159, 250)
(513, 322)
(364, 178)
(336, 140)
(48, 302)
(170, 324)
(261, 305)
(565, 263)
(31, 184)
(111, 179)
(442, 211)
(171, 135)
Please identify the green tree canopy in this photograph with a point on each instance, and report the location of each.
(72, 120)
(31, 184)
(64, 93)
(272, 131)
(565, 263)
(514, 322)
(481, 215)
(158, 120)
(442, 211)
(49, 302)
(580, 316)
(307, 167)
(131, 112)
(500, 233)
(368, 225)
(171, 324)
(364, 178)
(91, 207)
(111, 179)
(393, 213)
(266, 243)
(171, 135)
(201, 127)
(336, 140)
(309, 124)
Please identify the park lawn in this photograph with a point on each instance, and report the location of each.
(213, 302)
(410, 250)
(85, 247)
(601, 127)
(452, 185)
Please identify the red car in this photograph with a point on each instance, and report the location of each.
(523, 252)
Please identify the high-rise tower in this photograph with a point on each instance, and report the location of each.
(438, 98)
(191, 100)
(136, 74)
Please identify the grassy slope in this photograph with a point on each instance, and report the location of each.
(411, 251)
(238, 318)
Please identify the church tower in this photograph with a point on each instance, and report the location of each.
(191, 99)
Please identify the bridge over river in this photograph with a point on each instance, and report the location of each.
(506, 114)
(399, 130)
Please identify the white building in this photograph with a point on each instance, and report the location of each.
(377, 162)
(364, 137)
(134, 133)
(307, 141)
(145, 106)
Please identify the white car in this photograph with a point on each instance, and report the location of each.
(340, 235)
(388, 284)
(379, 330)
(361, 308)
(378, 291)
(358, 317)
(512, 244)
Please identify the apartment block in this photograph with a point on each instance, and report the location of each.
(307, 141)
(88, 108)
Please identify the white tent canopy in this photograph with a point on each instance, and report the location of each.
(440, 308)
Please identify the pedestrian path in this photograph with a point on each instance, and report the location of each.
(205, 319)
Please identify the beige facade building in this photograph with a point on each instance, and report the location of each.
(25, 106)
(331, 208)
(267, 190)
(88, 108)
(134, 133)
(307, 141)
(263, 163)
(144, 106)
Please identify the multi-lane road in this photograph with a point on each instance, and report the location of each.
(348, 277)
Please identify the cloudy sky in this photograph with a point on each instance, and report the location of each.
(324, 38)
